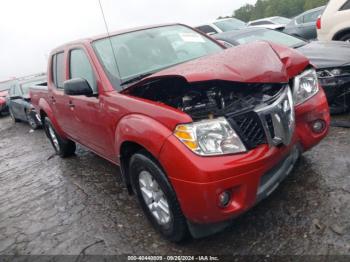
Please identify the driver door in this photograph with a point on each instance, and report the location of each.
(86, 113)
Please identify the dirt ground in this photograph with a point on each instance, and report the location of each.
(78, 205)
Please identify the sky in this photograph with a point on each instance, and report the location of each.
(29, 29)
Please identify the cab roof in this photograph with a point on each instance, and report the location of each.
(88, 40)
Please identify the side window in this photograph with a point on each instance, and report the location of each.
(58, 67)
(311, 17)
(16, 91)
(299, 20)
(11, 92)
(206, 29)
(80, 66)
(346, 6)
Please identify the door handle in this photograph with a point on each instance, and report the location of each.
(71, 105)
(53, 100)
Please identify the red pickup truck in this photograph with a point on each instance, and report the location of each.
(201, 133)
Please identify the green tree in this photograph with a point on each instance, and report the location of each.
(266, 8)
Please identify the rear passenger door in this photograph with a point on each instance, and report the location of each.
(86, 113)
(57, 99)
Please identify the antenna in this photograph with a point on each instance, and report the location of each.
(109, 37)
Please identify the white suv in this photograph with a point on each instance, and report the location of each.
(334, 24)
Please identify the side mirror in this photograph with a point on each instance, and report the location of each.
(77, 87)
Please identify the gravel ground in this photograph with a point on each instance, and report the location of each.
(78, 205)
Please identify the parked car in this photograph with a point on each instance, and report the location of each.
(19, 101)
(3, 102)
(201, 133)
(304, 25)
(221, 25)
(334, 24)
(331, 59)
(275, 22)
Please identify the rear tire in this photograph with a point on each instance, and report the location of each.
(157, 198)
(63, 147)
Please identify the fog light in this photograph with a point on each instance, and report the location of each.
(318, 126)
(224, 198)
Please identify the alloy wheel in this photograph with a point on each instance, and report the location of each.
(54, 138)
(154, 198)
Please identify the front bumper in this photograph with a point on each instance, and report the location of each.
(198, 181)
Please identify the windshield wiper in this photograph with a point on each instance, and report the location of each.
(137, 78)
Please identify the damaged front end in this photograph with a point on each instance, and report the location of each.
(235, 106)
(226, 113)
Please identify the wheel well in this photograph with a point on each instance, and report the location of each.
(128, 149)
(42, 116)
(341, 33)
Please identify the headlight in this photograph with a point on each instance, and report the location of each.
(210, 137)
(305, 86)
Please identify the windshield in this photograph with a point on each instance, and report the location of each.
(230, 24)
(147, 51)
(271, 36)
(280, 20)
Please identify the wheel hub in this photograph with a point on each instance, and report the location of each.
(154, 198)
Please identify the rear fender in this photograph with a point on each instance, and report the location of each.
(45, 109)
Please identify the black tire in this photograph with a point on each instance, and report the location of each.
(345, 37)
(14, 119)
(63, 147)
(32, 121)
(176, 230)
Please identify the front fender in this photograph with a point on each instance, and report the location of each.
(46, 109)
(143, 130)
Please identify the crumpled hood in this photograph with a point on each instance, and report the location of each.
(327, 54)
(258, 62)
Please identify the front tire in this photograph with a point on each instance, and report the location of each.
(156, 197)
(63, 147)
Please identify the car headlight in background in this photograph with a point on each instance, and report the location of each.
(334, 72)
(305, 86)
(210, 137)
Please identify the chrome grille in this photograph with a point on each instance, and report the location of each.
(249, 128)
(271, 124)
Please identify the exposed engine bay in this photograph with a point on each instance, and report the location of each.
(209, 99)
